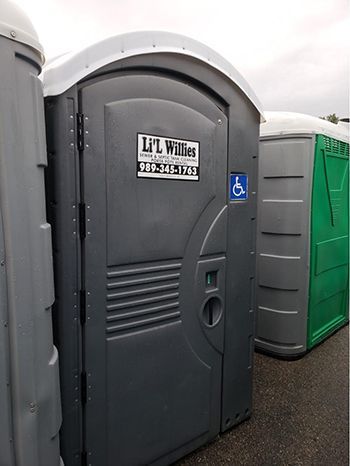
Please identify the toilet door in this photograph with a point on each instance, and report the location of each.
(154, 166)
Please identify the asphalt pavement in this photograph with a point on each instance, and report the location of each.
(300, 413)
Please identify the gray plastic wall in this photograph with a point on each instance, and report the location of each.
(283, 243)
(30, 411)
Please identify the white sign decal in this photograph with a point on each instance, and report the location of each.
(163, 157)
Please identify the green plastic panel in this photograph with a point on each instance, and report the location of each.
(329, 263)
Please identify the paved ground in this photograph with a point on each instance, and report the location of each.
(300, 413)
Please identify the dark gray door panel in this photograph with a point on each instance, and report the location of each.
(157, 215)
(154, 276)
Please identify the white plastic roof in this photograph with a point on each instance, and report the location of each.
(62, 73)
(15, 25)
(345, 124)
(280, 123)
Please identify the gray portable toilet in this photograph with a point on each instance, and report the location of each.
(30, 413)
(303, 233)
(151, 140)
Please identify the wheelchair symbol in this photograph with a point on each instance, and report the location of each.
(237, 188)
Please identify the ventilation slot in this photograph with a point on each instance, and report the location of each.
(336, 147)
(142, 296)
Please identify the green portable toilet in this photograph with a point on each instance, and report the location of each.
(303, 233)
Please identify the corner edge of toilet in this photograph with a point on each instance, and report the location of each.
(29, 382)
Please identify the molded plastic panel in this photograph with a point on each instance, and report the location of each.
(33, 410)
(283, 243)
(161, 353)
(329, 271)
(283, 218)
(278, 162)
(6, 424)
(281, 272)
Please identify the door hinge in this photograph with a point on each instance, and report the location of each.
(80, 131)
(82, 307)
(84, 458)
(82, 220)
(83, 387)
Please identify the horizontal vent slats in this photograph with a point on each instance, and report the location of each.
(142, 270)
(141, 281)
(143, 295)
(142, 301)
(151, 289)
(336, 147)
(142, 322)
(142, 312)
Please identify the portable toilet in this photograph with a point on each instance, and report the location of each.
(303, 233)
(30, 413)
(151, 140)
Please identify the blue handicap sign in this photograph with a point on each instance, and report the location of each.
(238, 187)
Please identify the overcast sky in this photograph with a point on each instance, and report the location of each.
(294, 53)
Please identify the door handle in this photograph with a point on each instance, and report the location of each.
(212, 311)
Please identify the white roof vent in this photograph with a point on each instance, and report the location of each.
(15, 25)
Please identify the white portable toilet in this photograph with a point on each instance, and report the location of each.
(30, 411)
